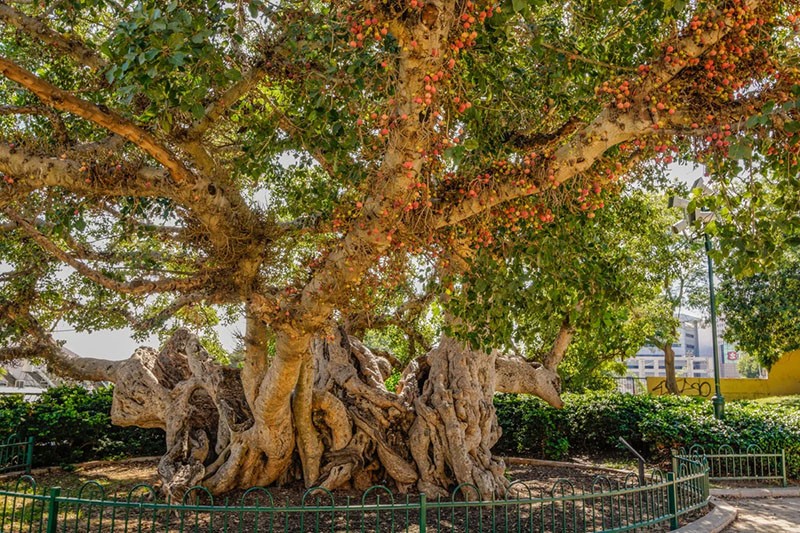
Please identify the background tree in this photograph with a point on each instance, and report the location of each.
(762, 312)
(301, 165)
(679, 261)
(748, 366)
(615, 280)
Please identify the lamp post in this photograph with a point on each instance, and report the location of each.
(702, 217)
(717, 400)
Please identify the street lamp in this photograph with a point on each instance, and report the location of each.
(702, 217)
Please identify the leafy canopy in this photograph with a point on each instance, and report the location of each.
(190, 161)
(762, 312)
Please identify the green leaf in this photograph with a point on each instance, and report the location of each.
(792, 127)
(740, 150)
(752, 121)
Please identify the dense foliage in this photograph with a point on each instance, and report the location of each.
(592, 423)
(762, 312)
(329, 159)
(70, 425)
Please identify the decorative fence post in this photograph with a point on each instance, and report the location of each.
(783, 466)
(423, 513)
(29, 456)
(674, 462)
(672, 501)
(52, 510)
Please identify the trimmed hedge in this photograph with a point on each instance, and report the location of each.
(70, 425)
(591, 423)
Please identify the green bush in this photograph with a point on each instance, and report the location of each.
(592, 423)
(70, 424)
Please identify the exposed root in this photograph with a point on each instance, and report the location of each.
(348, 430)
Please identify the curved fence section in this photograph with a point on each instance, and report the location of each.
(605, 505)
(16, 454)
(725, 463)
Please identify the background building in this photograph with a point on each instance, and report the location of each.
(693, 354)
(24, 378)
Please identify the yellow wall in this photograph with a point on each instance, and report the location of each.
(784, 378)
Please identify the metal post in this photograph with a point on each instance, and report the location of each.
(783, 466)
(672, 501)
(423, 513)
(29, 456)
(52, 510)
(717, 400)
(639, 458)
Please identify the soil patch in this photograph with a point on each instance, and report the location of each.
(293, 508)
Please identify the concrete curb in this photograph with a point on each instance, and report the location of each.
(721, 516)
(751, 493)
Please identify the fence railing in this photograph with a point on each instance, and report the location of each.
(16, 454)
(631, 385)
(727, 464)
(606, 505)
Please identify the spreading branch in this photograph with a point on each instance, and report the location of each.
(587, 145)
(63, 362)
(65, 101)
(136, 287)
(217, 109)
(37, 29)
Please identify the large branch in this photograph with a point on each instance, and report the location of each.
(298, 317)
(611, 127)
(516, 375)
(564, 337)
(39, 344)
(63, 362)
(37, 29)
(217, 109)
(224, 212)
(370, 234)
(225, 220)
(30, 172)
(65, 101)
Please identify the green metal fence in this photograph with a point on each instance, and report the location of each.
(727, 464)
(604, 506)
(16, 454)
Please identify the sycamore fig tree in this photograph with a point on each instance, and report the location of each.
(321, 169)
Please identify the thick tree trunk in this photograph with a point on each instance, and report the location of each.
(325, 399)
(669, 368)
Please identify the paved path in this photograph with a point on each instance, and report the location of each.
(766, 515)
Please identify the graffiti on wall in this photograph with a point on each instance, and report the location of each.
(685, 387)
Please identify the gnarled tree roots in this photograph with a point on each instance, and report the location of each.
(339, 426)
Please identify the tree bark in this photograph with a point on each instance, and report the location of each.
(669, 368)
(325, 399)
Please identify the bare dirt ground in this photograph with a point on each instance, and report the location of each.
(290, 504)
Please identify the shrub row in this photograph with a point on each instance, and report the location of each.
(591, 423)
(70, 425)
